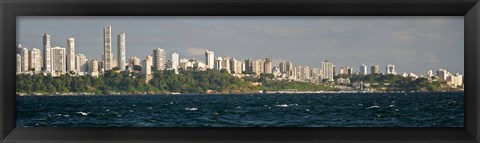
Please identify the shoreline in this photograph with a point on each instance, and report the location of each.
(252, 93)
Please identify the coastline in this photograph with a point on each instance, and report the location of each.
(237, 93)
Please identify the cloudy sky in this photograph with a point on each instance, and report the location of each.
(413, 44)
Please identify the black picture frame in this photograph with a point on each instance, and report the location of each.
(9, 9)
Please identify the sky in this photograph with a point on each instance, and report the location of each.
(412, 43)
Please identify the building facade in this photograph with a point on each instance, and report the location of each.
(121, 51)
(159, 59)
(107, 48)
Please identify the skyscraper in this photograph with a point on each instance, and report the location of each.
(390, 69)
(58, 61)
(71, 54)
(121, 51)
(147, 65)
(175, 61)
(289, 68)
(375, 69)
(268, 66)
(93, 67)
(107, 48)
(81, 64)
(209, 59)
(218, 63)
(19, 64)
(327, 70)
(429, 73)
(35, 60)
(159, 59)
(363, 69)
(24, 58)
(442, 74)
(47, 63)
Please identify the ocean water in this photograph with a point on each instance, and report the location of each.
(259, 110)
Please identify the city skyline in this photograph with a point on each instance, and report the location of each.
(403, 58)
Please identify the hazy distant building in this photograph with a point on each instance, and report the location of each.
(47, 63)
(442, 74)
(268, 66)
(35, 60)
(282, 66)
(289, 68)
(81, 64)
(19, 64)
(429, 73)
(175, 60)
(58, 61)
(363, 69)
(258, 67)
(327, 70)
(226, 64)
(159, 59)
(375, 69)
(346, 70)
(93, 67)
(218, 63)
(235, 66)
(248, 65)
(147, 65)
(24, 58)
(121, 51)
(71, 54)
(107, 48)
(390, 69)
(209, 59)
(455, 80)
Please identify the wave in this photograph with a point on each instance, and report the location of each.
(83, 113)
(191, 109)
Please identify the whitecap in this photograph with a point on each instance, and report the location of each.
(191, 109)
(307, 110)
(360, 104)
(285, 105)
(374, 107)
(84, 113)
(391, 105)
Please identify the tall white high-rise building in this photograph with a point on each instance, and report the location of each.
(24, 59)
(47, 62)
(226, 63)
(218, 63)
(327, 70)
(209, 59)
(19, 64)
(35, 60)
(175, 61)
(159, 59)
(107, 48)
(81, 64)
(71, 54)
(235, 66)
(390, 69)
(429, 73)
(363, 69)
(121, 51)
(147, 65)
(58, 61)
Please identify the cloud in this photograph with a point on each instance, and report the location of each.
(193, 51)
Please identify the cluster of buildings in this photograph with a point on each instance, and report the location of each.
(58, 60)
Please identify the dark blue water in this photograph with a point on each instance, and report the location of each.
(275, 110)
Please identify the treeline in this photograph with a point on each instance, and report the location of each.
(398, 82)
(187, 81)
